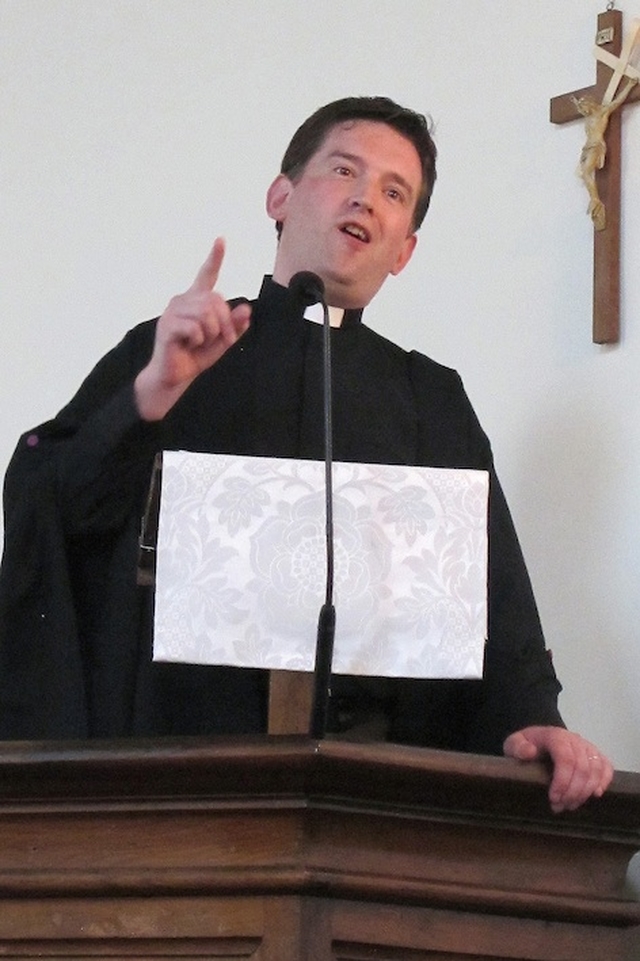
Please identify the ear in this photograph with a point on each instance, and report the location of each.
(277, 197)
(404, 256)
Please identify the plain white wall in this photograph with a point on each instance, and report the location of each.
(134, 131)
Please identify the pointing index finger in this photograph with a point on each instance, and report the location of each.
(207, 276)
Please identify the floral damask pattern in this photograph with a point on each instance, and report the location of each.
(241, 565)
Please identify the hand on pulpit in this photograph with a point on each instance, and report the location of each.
(580, 771)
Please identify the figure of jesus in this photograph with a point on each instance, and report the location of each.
(594, 152)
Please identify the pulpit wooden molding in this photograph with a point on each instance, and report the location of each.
(288, 849)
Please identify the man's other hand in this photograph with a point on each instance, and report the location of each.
(580, 771)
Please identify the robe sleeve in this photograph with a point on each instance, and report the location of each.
(102, 450)
(54, 492)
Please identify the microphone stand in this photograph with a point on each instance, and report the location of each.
(309, 289)
(327, 616)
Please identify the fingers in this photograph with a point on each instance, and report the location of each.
(207, 276)
(200, 319)
(580, 771)
(203, 324)
(192, 334)
(222, 326)
(240, 318)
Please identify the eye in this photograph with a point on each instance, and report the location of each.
(343, 170)
(394, 194)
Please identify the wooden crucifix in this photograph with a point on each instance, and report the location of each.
(613, 69)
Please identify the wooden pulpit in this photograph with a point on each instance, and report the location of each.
(290, 849)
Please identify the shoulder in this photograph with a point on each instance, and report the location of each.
(112, 374)
(137, 343)
(114, 370)
(447, 423)
(424, 372)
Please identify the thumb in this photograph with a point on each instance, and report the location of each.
(519, 746)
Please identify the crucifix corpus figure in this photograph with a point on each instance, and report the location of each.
(594, 151)
(600, 165)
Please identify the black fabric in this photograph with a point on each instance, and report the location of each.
(75, 630)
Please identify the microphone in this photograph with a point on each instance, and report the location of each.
(309, 289)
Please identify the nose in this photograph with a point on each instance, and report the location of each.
(361, 204)
(362, 197)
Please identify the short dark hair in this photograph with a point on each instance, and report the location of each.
(310, 136)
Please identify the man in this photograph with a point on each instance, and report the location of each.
(246, 378)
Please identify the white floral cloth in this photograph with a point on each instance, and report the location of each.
(241, 565)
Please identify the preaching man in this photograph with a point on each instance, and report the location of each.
(246, 378)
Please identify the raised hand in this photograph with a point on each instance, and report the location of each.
(193, 333)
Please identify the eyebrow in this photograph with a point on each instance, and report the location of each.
(356, 159)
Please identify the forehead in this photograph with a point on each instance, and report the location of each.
(373, 141)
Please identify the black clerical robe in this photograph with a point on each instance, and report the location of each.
(75, 629)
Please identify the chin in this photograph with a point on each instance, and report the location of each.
(344, 293)
(346, 302)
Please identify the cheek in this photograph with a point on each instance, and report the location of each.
(307, 204)
(327, 193)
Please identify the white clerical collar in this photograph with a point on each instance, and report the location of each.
(316, 314)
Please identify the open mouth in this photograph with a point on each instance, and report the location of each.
(355, 230)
